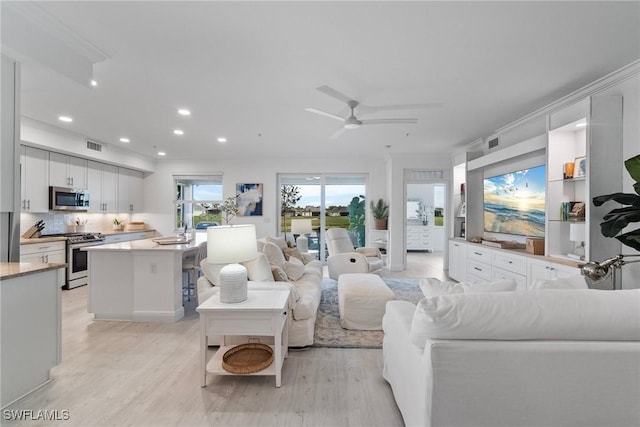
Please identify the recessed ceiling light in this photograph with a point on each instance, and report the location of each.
(94, 83)
(178, 132)
(65, 119)
(184, 112)
(161, 153)
(222, 139)
(125, 140)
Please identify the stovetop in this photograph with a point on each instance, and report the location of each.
(77, 237)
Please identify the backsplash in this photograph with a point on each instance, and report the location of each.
(57, 222)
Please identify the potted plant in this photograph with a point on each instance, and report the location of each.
(617, 219)
(118, 224)
(380, 212)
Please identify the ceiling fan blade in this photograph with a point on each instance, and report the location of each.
(367, 109)
(324, 113)
(337, 133)
(388, 121)
(334, 93)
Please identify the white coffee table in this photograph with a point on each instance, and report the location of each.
(264, 313)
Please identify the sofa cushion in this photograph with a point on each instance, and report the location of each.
(274, 254)
(576, 315)
(294, 269)
(432, 287)
(258, 269)
(571, 282)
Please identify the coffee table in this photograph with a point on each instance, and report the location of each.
(264, 313)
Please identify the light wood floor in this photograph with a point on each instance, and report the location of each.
(147, 374)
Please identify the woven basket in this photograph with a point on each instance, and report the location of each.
(247, 358)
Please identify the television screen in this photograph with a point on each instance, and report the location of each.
(514, 202)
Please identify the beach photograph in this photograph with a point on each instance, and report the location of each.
(514, 202)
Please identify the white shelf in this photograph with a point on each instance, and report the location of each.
(214, 366)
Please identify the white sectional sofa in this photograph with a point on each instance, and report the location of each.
(541, 358)
(306, 289)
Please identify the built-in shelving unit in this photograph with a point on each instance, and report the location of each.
(587, 136)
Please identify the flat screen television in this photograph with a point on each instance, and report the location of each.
(514, 202)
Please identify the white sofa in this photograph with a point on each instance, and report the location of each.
(541, 358)
(343, 258)
(305, 291)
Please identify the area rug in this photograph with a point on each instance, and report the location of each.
(329, 333)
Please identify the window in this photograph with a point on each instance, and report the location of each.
(195, 200)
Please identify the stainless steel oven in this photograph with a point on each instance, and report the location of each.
(77, 261)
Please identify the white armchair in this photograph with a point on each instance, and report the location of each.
(343, 258)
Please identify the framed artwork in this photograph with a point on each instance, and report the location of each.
(249, 199)
(580, 167)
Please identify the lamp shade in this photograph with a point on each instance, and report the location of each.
(577, 232)
(228, 244)
(301, 226)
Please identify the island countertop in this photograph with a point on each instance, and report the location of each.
(9, 270)
(147, 245)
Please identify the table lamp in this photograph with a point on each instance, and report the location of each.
(232, 244)
(301, 227)
(577, 235)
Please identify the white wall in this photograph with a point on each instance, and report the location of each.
(159, 194)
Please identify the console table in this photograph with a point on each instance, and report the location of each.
(264, 313)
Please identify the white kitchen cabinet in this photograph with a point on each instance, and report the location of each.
(67, 171)
(129, 190)
(54, 252)
(542, 269)
(34, 177)
(102, 182)
(458, 260)
(419, 238)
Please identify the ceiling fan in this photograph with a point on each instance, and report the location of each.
(352, 122)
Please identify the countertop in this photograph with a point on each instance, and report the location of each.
(10, 270)
(31, 241)
(147, 245)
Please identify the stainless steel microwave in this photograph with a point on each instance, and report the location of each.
(68, 199)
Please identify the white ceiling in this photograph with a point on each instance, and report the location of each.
(247, 70)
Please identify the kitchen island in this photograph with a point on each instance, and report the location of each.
(139, 280)
(30, 316)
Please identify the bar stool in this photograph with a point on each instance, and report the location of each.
(191, 266)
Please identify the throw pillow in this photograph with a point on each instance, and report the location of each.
(274, 254)
(258, 269)
(294, 253)
(572, 282)
(279, 275)
(294, 269)
(279, 241)
(211, 271)
(432, 287)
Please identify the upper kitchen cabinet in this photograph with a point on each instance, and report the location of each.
(67, 171)
(34, 175)
(102, 183)
(129, 190)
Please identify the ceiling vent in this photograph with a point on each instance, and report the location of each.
(94, 146)
(493, 142)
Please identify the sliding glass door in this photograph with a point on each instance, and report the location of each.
(329, 201)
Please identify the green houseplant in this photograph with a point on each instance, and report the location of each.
(380, 212)
(617, 219)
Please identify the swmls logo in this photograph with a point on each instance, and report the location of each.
(39, 415)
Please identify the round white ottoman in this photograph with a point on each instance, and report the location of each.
(362, 299)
